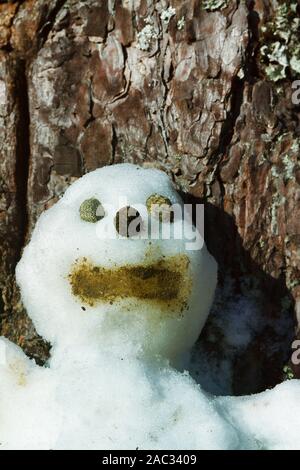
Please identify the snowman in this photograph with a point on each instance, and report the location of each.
(111, 279)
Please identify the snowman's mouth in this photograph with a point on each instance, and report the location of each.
(166, 281)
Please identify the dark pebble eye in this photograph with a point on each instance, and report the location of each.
(160, 207)
(128, 222)
(91, 210)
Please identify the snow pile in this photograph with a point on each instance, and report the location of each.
(111, 381)
(271, 418)
(98, 401)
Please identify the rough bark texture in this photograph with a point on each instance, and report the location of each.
(190, 90)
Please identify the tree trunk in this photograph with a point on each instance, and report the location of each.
(198, 88)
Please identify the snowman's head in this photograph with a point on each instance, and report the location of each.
(100, 268)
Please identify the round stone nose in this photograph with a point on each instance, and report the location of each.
(128, 222)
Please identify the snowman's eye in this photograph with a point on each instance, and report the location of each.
(91, 210)
(128, 222)
(160, 207)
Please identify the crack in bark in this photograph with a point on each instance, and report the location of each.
(46, 28)
(236, 96)
(22, 152)
(91, 117)
(227, 131)
(127, 80)
(237, 92)
(162, 110)
(114, 144)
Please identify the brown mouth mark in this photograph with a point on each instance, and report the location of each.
(165, 282)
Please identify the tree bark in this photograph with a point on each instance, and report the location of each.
(193, 87)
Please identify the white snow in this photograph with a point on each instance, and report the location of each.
(110, 381)
(271, 418)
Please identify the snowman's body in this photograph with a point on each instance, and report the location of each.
(115, 309)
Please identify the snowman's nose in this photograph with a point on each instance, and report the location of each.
(128, 221)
